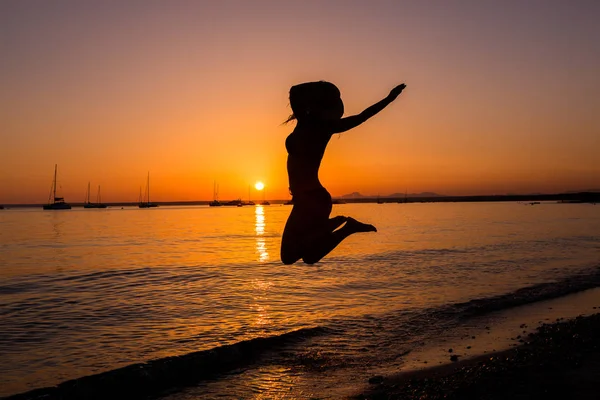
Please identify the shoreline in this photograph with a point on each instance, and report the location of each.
(559, 360)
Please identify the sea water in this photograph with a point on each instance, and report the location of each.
(85, 291)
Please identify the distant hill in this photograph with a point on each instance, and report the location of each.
(357, 195)
(523, 194)
(584, 191)
(353, 195)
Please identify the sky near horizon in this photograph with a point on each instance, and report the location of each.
(502, 96)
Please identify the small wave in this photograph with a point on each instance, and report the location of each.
(105, 274)
(140, 381)
(17, 288)
(530, 294)
(457, 312)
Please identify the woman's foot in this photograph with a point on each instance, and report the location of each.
(336, 222)
(356, 226)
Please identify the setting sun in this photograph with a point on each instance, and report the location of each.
(259, 185)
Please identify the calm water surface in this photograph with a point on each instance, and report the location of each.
(86, 291)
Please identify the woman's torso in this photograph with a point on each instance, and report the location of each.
(305, 151)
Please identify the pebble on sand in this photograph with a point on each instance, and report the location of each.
(375, 380)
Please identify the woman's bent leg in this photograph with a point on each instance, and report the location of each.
(321, 246)
(308, 230)
(292, 245)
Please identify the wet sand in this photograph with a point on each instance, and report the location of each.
(560, 360)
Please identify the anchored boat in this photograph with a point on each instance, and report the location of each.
(56, 203)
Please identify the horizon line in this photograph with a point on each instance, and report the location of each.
(435, 196)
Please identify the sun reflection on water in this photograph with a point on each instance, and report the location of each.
(259, 227)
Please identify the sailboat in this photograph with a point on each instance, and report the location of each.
(97, 204)
(250, 202)
(146, 204)
(55, 203)
(215, 202)
(237, 203)
(265, 202)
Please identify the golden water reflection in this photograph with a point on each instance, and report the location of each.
(259, 227)
(261, 290)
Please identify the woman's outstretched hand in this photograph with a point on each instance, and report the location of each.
(395, 92)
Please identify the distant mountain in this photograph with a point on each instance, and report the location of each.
(353, 195)
(357, 195)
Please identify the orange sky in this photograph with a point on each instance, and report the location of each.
(502, 97)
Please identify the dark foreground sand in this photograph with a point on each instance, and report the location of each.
(558, 361)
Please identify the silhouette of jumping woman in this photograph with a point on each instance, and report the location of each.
(309, 233)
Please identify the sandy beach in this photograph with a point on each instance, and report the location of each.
(560, 360)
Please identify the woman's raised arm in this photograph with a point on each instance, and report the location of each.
(345, 124)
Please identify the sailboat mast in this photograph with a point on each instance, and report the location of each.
(88, 193)
(148, 187)
(54, 184)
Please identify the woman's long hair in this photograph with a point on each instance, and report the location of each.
(310, 96)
